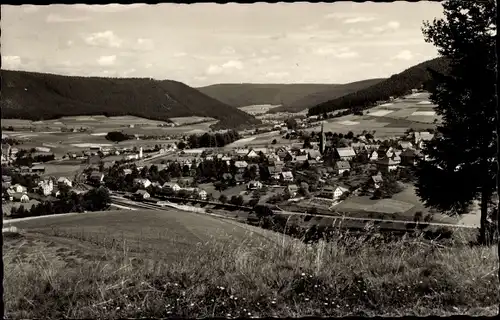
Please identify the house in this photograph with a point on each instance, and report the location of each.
(254, 167)
(419, 138)
(274, 172)
(202, 194)
(314, 155)
(409, 157)
(292, 190)
(141, 195)
(396, 158)
(405, 145)
(312, 162)
(387, 164)
(376, 181)
(38, 169)
(65, 181)
(385, 152)
(287, 176)
(345, 154)
(333, 193)
(17, 188)
(172, 186)
(144, 183)
(127, 171)
(358, 146)
(96, 177)
(252, 154)
(341, 166)
(241, 166)
(242, 152)
(46, 187)
(373, 156)
(300, 159)
(254, 185)
(7, 180)
(20, 197)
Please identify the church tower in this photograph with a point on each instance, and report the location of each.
(322, 140)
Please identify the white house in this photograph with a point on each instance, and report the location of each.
(342, 166)
(142, 194)
(17, 188)
(287, 176)
(20, 197)
(333, 193)
(202, 194)
(142, 182)
(171, 186)
(253, 185)
(65, 181)
(127, 171)
(373, 156)
(388, 165)
(252, 154)
(46, 186)
(346, 154)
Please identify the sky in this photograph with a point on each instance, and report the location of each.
(203, 44)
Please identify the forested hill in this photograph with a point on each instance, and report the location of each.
(37, 96)
(325, 95)
(246, 94)
(396, 85)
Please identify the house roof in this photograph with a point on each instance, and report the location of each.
(346, 152)
(287, 174)
(96, 174)
(227, 176)
(292, 187)
(241, 164)
(239, 177)
(342, 165)
(342, 189)
(38, 167)
(170, 184)
(18, 195)
(314, 153)
(377, 178)
(410, 153)
(301, 158)
(388, 161)
(141, 192)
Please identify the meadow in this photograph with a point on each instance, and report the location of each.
(258, 108)
(164, 264)
(389, 119)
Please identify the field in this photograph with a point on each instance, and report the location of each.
(258, 109)
(389, 119)
(132, 264)
(261, 140)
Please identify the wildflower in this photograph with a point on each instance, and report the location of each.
(175, 284)
(231, 297)
(273, 302)
(192, 304)
(117, 308)
(307, 299)
(249, 314)
(303, 274)
(228, 315)
(364, 291)
(326, 303)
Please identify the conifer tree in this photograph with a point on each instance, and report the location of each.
(461, 164)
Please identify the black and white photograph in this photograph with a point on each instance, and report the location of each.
(252, 160)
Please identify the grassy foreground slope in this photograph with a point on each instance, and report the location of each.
(37, 96)
(73, 268)
(396, 85)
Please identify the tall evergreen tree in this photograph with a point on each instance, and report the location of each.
(461, 164)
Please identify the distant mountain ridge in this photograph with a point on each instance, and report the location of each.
(397, 85)
(37, 96)
(246, 94)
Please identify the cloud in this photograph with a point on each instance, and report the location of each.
(227, 50)
(55, 18)
(180, 54)
(333, 50)
(29, 8)
(145, 44)
(389, 26)
(105, 39)
(404, 55)
(149, 65)
(109, 8)
(347, 55)
(277, 75)
(214, 69)
(11, 62)
(358, 20)
(106, 60)
(236, 64)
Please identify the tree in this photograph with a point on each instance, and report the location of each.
(274, 141)
(223, 198)
(291, 123)
(117, 136)
(181, 145)
(463, 165)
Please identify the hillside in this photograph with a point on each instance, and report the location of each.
(37, 96)
(247, 94)
(325, 95)
(137, 264)
(396, 85)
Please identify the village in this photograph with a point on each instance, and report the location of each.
(315, 173)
